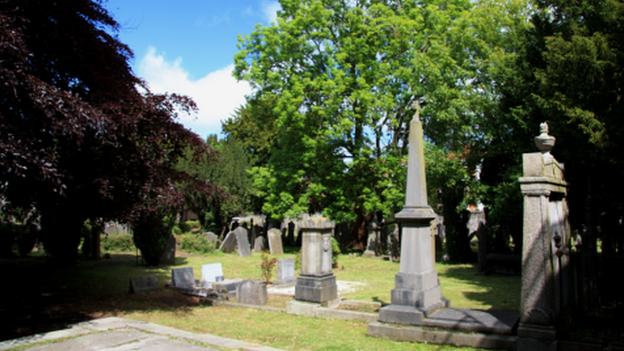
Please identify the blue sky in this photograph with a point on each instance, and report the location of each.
(188, 47)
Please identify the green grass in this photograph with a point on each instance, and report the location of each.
(54, 296)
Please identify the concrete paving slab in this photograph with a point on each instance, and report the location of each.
(119, 334)
(95, 341)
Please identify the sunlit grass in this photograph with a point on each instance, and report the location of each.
(93, 289)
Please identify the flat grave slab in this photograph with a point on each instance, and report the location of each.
(144, 283)
(478, 321)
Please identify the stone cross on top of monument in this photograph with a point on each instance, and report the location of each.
(416, 106)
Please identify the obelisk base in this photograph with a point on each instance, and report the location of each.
(319, 289)
(415, 297)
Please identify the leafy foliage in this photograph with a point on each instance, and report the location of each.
(78, 127)
(151, 234)
(196, 243)
(225, 170)
(266, 267)
(341, 75)
(117, 243)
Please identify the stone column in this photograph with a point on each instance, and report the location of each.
(545, 251)
(417, 290)
(316, 283)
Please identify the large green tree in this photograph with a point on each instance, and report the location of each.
(79, 137)
(569, 72)
(341, 77)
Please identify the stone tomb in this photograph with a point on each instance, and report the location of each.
(144, 283)
(252, 292)
(275, 242)
(211, 273)
(285, 272)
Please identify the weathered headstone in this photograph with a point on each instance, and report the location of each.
(168, 256)
(114, 228)
(229, 243)
(212, 237)
(285, 272)
(183, 277)
(144, 283)
(244, 249)
(252, 292)
(417, 291)
(211, 273)
(373, 243)
(275, 242)
(395, 244)
(291, 233)
(260, 244)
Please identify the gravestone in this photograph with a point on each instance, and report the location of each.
(316, 283)
(252, 292)
(275, 242)
(212, 237)
(168, 256)
(183, 277)
(291, 233)
(114, 228)
(285, 272)
(211, 273)
(144, 283)
(395, 245)
(374, 240)
(545, 248)
(244, 249)
(260, 244)
(417, 291)
(229, 243)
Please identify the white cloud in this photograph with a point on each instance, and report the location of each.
(217, 94)
(269, 10)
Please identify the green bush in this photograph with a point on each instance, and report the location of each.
(151, 234)
(117, 243)
(198, 244)
(189, 226)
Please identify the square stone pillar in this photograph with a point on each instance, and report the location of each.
(545, 250)
(316, 283)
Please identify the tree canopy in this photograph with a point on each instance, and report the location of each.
(80, 135)
(341, 77)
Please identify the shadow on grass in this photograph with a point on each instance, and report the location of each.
(40, 296)
(502, 292)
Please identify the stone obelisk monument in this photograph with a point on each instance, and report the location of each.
(417, 290)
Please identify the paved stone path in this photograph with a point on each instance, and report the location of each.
(119, 334)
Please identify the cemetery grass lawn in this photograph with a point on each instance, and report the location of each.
(50, 297)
